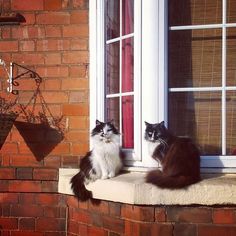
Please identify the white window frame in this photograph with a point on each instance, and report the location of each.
(151, 66)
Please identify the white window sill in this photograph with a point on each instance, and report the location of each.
(130, 188)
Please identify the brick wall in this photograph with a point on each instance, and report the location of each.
(115, 219)
(54, 43)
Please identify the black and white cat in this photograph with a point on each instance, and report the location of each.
(178, 156)
(102, 162)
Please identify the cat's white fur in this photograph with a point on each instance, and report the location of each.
(105, 156)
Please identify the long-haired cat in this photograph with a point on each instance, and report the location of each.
(102, 162)
(178, 156)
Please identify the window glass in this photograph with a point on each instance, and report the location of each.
(119, 67)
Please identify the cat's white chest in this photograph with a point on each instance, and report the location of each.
(152, 146)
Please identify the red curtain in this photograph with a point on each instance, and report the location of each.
(127, 76)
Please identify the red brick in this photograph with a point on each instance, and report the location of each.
(9, 223)
(53, 71)
(50, 186)
(78, 96)
(92, 231)
(26, 210)
(54, 162)
(53, 45)
(24, 173)
(185, 229)
(75, 84)
(27, 5)
(73, 227)
(52, 5)
(6, 33)
(26, 224)
(26, 233)
(189, 214)
(75, 110)
(138, 213)
(28, 32)
(61, 149)
(53, 18)
(53, 31)
(7, 173)
(27, 198)
(27, 46)
(8, 46)
(52, 59)
(48, 199)
(4, 185)
(160, 214)
(45, 174)
(102, 208)
(207, 230)
(153, 229)
(78, 123)
(29, 59)
(80, 149)
(75, 57)
(79, 17)
(81, 30)
(8, 198)
(25, 186)
(9, 148)
(224, 216)
(132, 228)
(82, 4)
(77, 136)
(81, 216)
(78, 71)
(50, 224)
(79, 44)
(113, 224)
(71, 201)
(25, 160)
(29, 18)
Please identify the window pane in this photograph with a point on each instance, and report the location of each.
(112, 111)
(112, 19)
(127, 16)
(127, 65)
(128, 122)
(231, 57)
(195, 12)
(197, 115)
(195, 58)
(231, 11)
(231, 123)
(112, 68)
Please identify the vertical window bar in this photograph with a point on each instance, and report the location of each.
(120, 97)
(224, 9)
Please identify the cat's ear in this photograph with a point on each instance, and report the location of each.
(162, 123)
(98, 122)
(146, 123)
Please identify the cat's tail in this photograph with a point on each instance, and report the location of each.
(156, 177)
(78, 187)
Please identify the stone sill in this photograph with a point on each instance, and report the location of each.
(130, 188)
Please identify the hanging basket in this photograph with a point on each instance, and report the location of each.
(6, 123)
(40, 138)
(41, 131)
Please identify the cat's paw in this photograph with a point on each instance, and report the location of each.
(104, 177)
(111, 175)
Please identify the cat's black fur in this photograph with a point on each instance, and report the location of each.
(178, 156)
(103, 161)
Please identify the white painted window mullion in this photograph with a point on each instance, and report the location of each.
(120, 70)
(223, 115)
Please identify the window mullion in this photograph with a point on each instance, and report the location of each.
(120, 71)
(224, 9)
